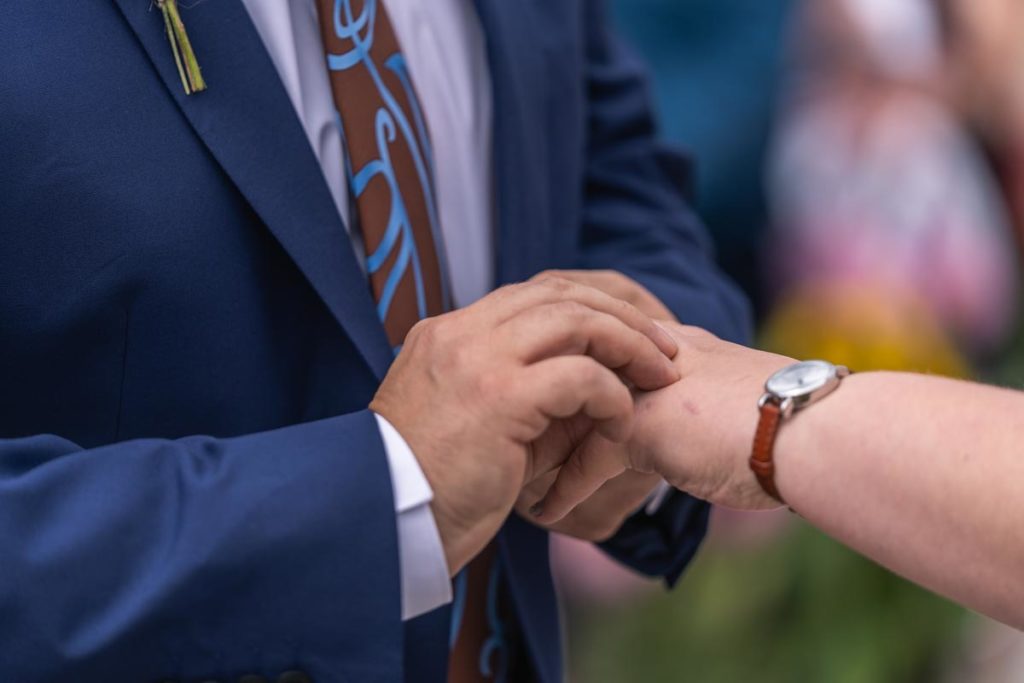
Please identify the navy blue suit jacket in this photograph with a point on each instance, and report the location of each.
(190, 483)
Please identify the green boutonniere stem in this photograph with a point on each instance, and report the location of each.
(184, 57)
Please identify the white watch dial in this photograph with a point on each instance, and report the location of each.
(801, 379)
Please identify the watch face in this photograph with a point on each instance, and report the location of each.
(801, 379)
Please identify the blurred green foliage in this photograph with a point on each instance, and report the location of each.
(798, 608)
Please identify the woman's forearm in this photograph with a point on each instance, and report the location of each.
(922, 474)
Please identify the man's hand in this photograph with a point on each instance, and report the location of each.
(613, 283)
(696, 433)
(599, 517)
(472, 389)
(602, 514)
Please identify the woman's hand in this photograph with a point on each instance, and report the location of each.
(919, 473)
(696, 433)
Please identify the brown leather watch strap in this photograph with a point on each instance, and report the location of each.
(762, 459)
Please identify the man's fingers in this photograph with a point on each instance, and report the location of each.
(534, 491)
(599, 517)
(509, 302)
(618, 285)
(588, 469)
(571, 328)
(548, 452)
(563, 387)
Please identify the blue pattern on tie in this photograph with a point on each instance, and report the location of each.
(496, 646)
(359, 30)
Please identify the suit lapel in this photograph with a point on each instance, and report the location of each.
(517, 73)
(517, 79)
(247, 122)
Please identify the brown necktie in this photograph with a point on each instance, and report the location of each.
(390, 160)
(389, 155)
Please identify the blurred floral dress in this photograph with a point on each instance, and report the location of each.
(892, 245)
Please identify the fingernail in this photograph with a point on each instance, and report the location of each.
(673, 371)
(537, 510)
(669, 340)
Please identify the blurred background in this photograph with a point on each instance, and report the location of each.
(860, 164)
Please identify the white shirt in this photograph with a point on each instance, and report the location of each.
(443, 44)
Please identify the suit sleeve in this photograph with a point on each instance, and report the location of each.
(637, 220)
(200, 557)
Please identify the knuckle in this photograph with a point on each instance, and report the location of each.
(591, 374)
(446, 331)
(628, 309)
(576, 469)
(621, 394)
(418, 340)
(573, 310)
(621, 306)
(439, 339)
(559, 285)
(616, 278)
(633, 339)
(512, 288)
(425, 332)
(499, 298)
(418, 330)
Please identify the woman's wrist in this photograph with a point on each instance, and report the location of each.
(806, 444)
(743, 490)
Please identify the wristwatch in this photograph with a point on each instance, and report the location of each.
(787, 391)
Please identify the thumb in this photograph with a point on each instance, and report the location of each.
(588, 467)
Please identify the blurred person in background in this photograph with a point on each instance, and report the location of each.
(893, 243)
(986, 84)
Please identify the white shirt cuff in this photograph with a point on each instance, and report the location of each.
(426, 584)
